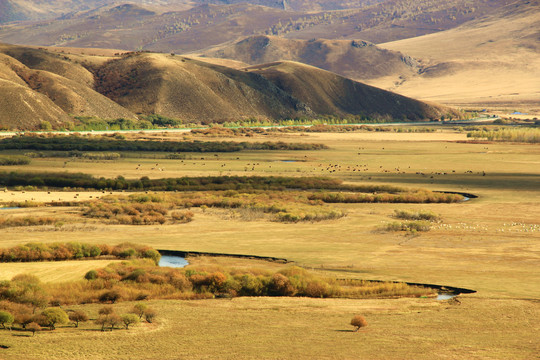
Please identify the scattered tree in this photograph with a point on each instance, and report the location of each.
(129, 319)
(33, 327)
(54, 316)
(106, 310)
(114, 320)
(149, 315)
(5, 319)
(359, 322)
(78, 316)
(23, 319)
(139, 309)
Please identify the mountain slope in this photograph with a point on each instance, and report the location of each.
(137, 26)
(491, 60)
(351, 58)
(331, 94)
(38, 86)
(188, 89)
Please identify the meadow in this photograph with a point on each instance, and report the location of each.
(489, 244)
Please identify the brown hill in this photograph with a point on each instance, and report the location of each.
(327, 93)
(355, 59)
(192, 90)
(38, 86)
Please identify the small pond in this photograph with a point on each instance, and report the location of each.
(172, 261)
(445, 296)
(9, 208)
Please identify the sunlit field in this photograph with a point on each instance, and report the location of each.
(489, 244)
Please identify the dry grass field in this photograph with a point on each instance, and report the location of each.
(489, 62)
(489, 244)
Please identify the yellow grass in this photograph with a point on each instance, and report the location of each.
(489, 244)
(297, 328)
(53, 271)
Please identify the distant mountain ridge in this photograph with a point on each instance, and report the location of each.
(355, 59)
(187, 26)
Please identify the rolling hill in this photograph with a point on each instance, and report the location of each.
(359, 60)
(492, 61)
(41, 86)
(328, 93)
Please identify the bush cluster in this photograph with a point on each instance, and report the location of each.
(14, 160)
(416, 197)
(410, 226)
(74, 251)
(525, 135)
(127, 213)
(201, 282)
(26, 221)
(416, 215)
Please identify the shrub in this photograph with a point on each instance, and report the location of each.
(182, 216)
(110, 296)
(317, 289)
(411, 226)
(280, 285)
(14, 160)
(358, 321)
(420, 215)
(91, 275)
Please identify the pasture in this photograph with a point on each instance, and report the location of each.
(489, 244)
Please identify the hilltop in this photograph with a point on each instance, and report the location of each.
(355, 59)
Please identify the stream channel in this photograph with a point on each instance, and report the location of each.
(177, 259)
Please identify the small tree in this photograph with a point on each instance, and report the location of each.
(23, 319)
(149, 315)
(78, 316)
(106, 310)
(5, 318)
(138, 309)
(54, 316)
(33, 327)
(114, 320)
(359, 322)
(129, 319)
(102, 320)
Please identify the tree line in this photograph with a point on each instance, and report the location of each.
(72, 143)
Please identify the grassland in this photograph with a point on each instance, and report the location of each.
(489, 244)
